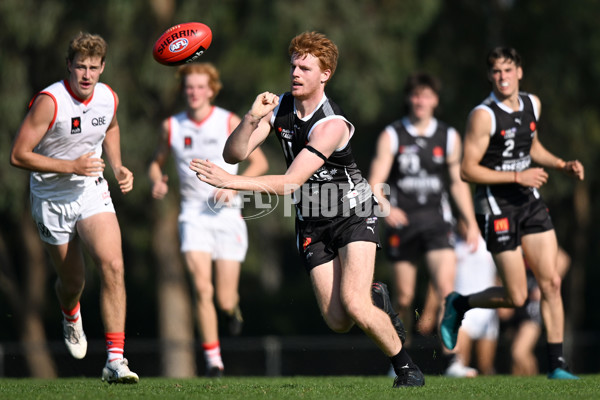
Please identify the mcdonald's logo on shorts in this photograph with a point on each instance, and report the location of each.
(501, 225)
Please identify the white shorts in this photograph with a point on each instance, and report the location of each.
(481, 323)
(56, 220)
(224, 234)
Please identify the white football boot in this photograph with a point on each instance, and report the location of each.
(75, 338)
(458, 370)
(118, 372)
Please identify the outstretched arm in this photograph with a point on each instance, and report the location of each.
(325, 138)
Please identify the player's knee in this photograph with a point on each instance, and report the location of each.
(338, 323)
(114, 269)
(551, 287)
(518, 298)
(404, 300)
(226, 303)
(205, 291)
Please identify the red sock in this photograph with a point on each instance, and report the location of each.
(71, 315)
(115, 343)
(212, 354)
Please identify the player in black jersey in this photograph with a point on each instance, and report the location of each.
(335, 222)
(501, 142)
(417, 162)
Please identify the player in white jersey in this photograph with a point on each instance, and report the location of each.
(211, 227)
(61, 141)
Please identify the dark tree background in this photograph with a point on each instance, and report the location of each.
(380, 41)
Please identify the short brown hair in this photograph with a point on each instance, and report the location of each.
(88, 45)
(319, 46)
(421, 79)
(214, 82)
(501, 52)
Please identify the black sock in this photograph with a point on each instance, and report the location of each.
(555, 356)
(461, 304)
(401, 360)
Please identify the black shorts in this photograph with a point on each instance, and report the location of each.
(426, 231)
(504, 231)
(318, 241)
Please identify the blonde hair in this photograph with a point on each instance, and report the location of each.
(88, 45)
(214, 82)
(319, 46)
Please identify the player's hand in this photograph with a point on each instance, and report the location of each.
(88, 166)
(472, 237)
(397, 218)
(160, 188)
(210, 173)
(532, 177)
(574, 168)
(263, 104)
(125, 179)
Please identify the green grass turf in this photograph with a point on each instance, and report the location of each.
(303, 387)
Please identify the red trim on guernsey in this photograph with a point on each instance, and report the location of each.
(198, 123)
(114, 97)
(55, 106)
(73, 95)
(170, 131)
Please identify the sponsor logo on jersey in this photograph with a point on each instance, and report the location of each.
(99, 121)
(509, 133)
(501, 225)
(187, 142)
(44, 231)
(410, 149)
(285, 133)
(306, 243)
(438, 154)
(75, 125)
(532, 126)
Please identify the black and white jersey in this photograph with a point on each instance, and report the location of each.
(418, 179)
(511, 135)
(336, 188)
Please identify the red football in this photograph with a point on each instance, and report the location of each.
(182, 43)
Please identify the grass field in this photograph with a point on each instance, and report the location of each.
(302, 387)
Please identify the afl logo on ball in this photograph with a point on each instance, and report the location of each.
(178, 45)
